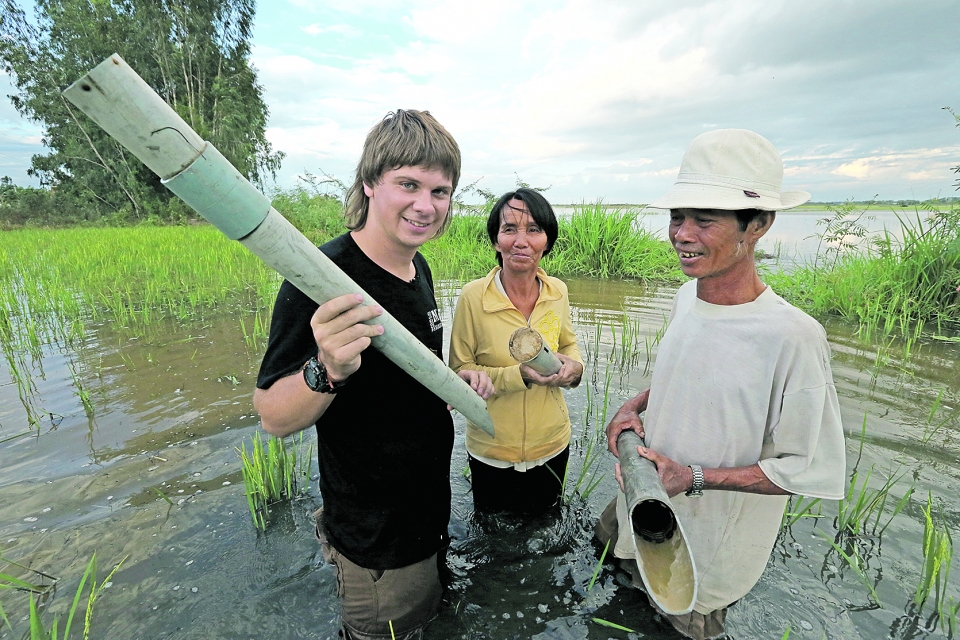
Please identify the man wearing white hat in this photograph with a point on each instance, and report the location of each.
(742, 410)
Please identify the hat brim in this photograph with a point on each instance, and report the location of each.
(685, 195)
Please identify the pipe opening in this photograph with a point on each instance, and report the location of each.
(653, 521)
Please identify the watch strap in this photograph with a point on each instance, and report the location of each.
(696, 489)
(316, 378)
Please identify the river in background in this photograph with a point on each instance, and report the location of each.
(171, 404)
(793, 238)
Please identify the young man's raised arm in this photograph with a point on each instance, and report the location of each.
(289, 405)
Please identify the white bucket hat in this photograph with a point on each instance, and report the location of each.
(730, 169)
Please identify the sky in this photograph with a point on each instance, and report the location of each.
(599, 99)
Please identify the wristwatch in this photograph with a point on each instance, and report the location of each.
(315, 375)
(696, 489)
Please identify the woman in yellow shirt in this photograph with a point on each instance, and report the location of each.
(522, 467)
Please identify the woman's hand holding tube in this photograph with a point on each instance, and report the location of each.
(569, 375)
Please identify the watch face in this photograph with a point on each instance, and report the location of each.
(311, 374)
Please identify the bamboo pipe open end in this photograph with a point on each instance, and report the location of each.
(662, 554)
(528, 347)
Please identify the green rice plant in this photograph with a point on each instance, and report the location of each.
(853, 561)
(272, 472)
(596, 570)
(38, 630)
(628, 354)
(591, 442)
(948, 612)
(80, 390)
(612, 625)
(861, 504)
(792, 514)
(930, 428)
(937, 555)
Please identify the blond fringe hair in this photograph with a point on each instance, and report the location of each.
(404, 138)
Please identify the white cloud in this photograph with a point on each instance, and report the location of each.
(342, 29)
(601, 97)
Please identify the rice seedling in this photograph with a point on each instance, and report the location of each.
(37, 628)
(792, 514)
(596, 570)
(272, 472)
(930, 428)
(861, 503)
(591, 442)
(853, 561)
(937, 555)
(612, 625)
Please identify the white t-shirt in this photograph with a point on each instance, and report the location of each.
(734, 385)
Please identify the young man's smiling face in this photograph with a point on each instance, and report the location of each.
(408, 206)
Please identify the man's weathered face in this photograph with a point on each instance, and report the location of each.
(708, 242)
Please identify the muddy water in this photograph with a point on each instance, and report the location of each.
(172, 404)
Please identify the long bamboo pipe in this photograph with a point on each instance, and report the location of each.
(118, 100)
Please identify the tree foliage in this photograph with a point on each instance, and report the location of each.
(194, 53)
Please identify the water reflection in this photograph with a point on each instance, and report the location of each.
(171, 405)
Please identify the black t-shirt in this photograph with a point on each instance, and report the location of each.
(384, 443)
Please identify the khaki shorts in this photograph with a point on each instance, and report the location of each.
(371, 600)
(699, 626)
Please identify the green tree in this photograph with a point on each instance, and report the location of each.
(194, 53)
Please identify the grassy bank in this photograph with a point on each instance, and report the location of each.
(886, 284)
(135, 274)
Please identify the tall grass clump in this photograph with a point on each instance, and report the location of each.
(464, 252)
(273, 472)
(894, 285)
(602, 242)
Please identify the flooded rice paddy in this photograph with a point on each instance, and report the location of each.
(134, 457)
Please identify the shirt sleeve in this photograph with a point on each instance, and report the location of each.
(291, 341)
(808, 449)
(568, 339)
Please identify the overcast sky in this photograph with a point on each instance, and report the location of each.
(599, 99)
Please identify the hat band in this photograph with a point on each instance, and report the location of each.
(713, 180)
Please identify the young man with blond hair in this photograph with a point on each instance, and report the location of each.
(383, 440)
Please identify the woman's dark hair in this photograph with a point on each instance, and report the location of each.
(540, 210)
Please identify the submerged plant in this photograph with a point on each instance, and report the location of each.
(272, 472)
(853, 561)
(56, 630)
(937, 554)
(861, 504)
(612, 625)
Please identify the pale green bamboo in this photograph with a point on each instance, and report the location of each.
(117, 99)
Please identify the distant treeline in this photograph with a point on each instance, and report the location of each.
(194, 53)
